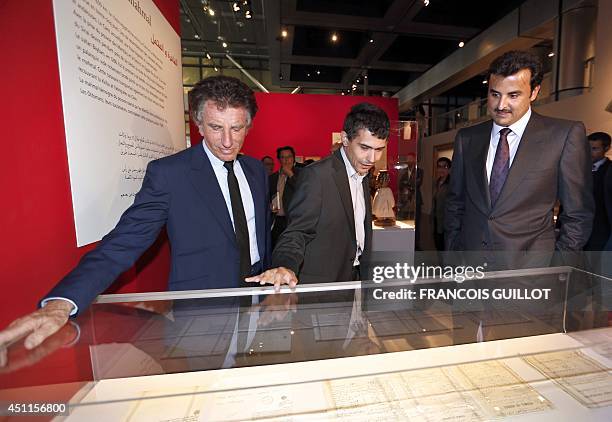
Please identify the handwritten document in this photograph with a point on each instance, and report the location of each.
(580, 376)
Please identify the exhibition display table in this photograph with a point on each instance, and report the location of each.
(334, 351)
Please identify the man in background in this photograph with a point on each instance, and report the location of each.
(268, 163)
(601, 171)
(282, 188)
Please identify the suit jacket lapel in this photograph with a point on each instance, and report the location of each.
(204, 180)
(257, 191)
(528, 153)
(478, 158)
(342, 182)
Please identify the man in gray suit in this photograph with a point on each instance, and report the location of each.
(329, 233)
(508, 173)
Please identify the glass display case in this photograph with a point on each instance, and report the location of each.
(531, 344)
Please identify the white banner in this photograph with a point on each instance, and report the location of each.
(122, 95)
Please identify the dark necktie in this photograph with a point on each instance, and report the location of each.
(240, 223)
(501, 166)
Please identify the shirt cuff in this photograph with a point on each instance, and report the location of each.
(72, 313)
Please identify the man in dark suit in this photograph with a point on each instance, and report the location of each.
(329, 233)
(508, 173)
(600, 144)
(282, 188)
(213, 203)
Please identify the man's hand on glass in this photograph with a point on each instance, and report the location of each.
(19, 358)
(38, 325)
(275, 276)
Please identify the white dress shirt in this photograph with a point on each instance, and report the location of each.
(514, 139)
(245, 194)
(356, 185)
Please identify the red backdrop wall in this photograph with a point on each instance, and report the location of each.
(304, 121)
(39, 244)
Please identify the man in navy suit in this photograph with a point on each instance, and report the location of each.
(213, 202)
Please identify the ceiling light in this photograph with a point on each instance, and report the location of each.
(357, 81)
(224, 44)
(484, 81)
(461, 44)
(208, 56)
(236, 7)
(551, 54)
(284, 33)
(371, 39)
(280, 76)
(211, 12)
(196, 36)
(365, 76)
(247, 14)
(216, 68)
(318, 72)
(426, 3)
(308, 74)
(334, 37)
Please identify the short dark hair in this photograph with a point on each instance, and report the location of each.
(266, 156)
(366, 116)
(600, 136)
(511, 62)
(226, 92)
(285, 148)
(445, 160)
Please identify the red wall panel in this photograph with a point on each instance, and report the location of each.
(304, 121)
(39, 243)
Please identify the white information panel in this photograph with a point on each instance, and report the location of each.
(122, 95)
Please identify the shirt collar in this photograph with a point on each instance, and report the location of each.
(214, 160)
(517, 127)
(599, 163)
(349, 167)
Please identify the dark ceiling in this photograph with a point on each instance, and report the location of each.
(392, 41)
